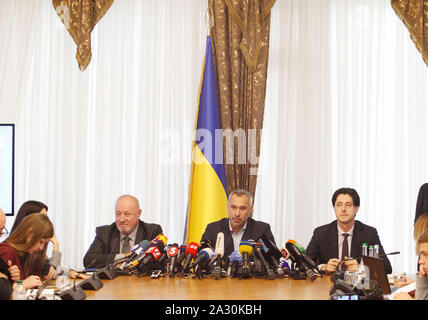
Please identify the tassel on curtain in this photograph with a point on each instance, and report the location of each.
(80, 18)
(414, 14)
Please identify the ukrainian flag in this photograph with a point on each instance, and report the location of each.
(207, 189)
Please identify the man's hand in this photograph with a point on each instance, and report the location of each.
(351, 265)
(331, 265)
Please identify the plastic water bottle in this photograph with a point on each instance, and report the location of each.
(19, 293)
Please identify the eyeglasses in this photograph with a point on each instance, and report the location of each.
(4, 231)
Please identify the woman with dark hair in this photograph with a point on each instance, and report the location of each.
(422, 201)
(31, 237)
(28, 207)
(31, 207)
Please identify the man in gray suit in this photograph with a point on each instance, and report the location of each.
(113, 242)
(333, 243)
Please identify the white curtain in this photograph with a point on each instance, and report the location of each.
(122, 126)
(346, 106)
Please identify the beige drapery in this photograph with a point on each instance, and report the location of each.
(414, 14)
(80, 18)
(241, 49)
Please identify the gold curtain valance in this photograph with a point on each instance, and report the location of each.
(249, 15)
(414, 14)
(80, 18)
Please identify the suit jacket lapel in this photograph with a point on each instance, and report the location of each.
(334, 240)
(140, 236)
(357, 239)
(115, 241)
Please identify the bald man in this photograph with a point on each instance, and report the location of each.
(112, 242)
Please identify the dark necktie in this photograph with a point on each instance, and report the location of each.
(345, 249)
(125, 247)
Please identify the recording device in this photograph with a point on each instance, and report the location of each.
(301, 260)
(246, 249)
(172, 253)
(181, 256)
(191, 251)
(135, 252)
(257, 246)
(159, 241)
(273, 254)
(235, 262)
(153, 253)
(219, 252)
(203, 257)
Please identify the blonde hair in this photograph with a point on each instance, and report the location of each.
(423, 238)
(31, 230)
(421, 225)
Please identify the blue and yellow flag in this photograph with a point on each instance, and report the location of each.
(207, 190)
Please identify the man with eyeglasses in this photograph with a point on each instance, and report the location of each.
(334, 244)
(113, 242)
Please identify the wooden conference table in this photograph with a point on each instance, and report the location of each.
(178, 288)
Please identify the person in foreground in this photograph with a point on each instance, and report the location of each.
(421, 292)
(113, 242)
(5, 281)
(31, 237)
(239, 226)
(30, 207)
(333, 245)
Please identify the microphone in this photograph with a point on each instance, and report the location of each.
(159, 240)
(258, 249)
(205, 244)
(172, 255)
(76, 292)
(219, 252)
(273, 253)
(153, 252)
(301, 260)
(191, 251)
(285, 253)
(181, 256)
(246, 249)
(235, 261)
(203, 256)
(199, 262)
(135, 252)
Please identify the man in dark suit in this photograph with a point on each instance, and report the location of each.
(344, 237)
(113, 242)
(239, 226)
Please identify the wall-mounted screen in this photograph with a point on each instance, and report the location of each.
(7, 157)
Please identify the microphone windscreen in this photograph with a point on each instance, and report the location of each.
(192, 248)
(246, 247)
(297, 245)
(207, 253)
(219, 245)
(285, 253)
(144, 244)
(172, 251)
(284, 265)
(162, 238)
